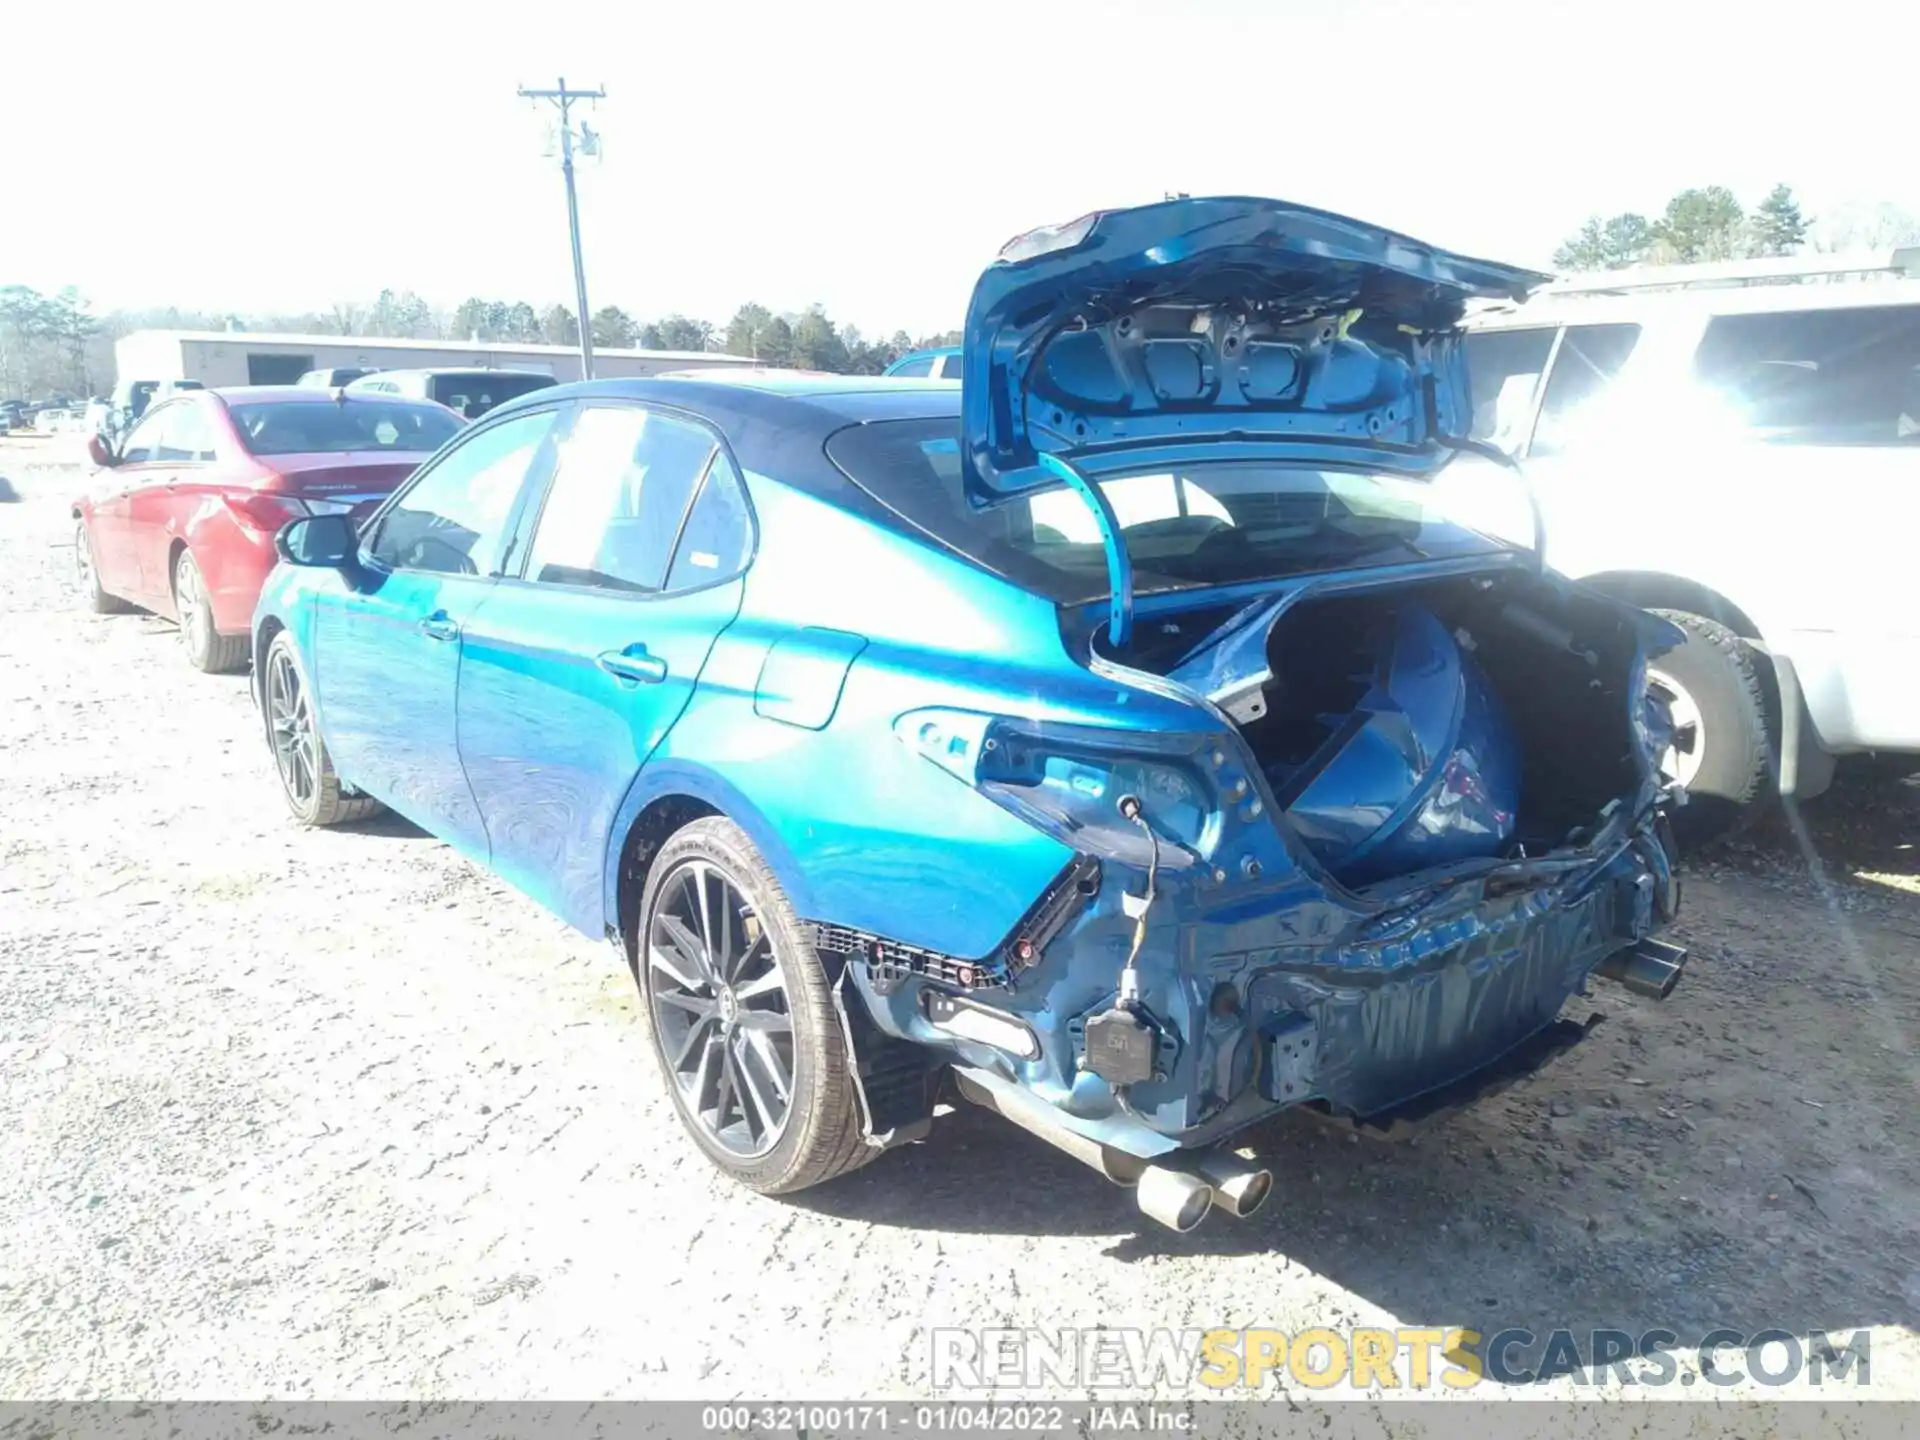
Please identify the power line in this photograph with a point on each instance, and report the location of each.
(563, 99)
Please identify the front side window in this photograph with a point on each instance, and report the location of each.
(914, 369)
(143, 444)
(1504, 369)
(185, 437)
(1818, 377)
(1590, 358)
(337, 427)
(452, 519)
(622, 481)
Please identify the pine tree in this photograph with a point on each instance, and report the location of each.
(1778, 226)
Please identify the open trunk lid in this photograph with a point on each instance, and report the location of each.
(1235, 327)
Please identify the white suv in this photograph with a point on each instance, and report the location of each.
(1743, 458)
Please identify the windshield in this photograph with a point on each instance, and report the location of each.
(291, 427)
(474, 395)
(1210, 523)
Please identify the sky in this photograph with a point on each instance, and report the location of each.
(873, 157)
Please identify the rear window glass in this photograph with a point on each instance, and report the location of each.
(1819, 377)
(1209, 523)
(474, 395)
(281, 427)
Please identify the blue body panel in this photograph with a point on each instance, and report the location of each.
(397, 739)
(867, 705)
(550, 740)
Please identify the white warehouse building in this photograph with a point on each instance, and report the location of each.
(236, 357)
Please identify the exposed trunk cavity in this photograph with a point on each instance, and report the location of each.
(1419, 724)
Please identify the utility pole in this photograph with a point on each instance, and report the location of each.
(563, 100)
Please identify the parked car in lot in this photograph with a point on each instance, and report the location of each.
(179, 517)
(57, 420)
(1739, 457)
(336, 376)
(471, 392)
(131, 399)
(927, 365)
(1124, 735)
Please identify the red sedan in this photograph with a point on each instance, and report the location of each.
(180, 519)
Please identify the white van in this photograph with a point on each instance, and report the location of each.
(471, 392)
(1737, 447)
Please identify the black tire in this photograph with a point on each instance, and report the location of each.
(323, 799)
(87, 575)
(822, 1135)
(1736, 736)
(207, 649)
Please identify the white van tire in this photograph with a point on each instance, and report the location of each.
(1722, 699)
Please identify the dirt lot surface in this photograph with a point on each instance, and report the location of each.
(336, 1114)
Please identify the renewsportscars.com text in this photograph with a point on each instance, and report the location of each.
(1402, 1358)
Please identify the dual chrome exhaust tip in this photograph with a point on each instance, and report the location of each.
(1651, 968)
(1178, 1193)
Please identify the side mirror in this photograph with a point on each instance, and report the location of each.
(100, 452)
(324, 542)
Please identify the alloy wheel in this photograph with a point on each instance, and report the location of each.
(190, 600)
(1681, 760)
(290, 725)
(83, 571)
(720, 1006)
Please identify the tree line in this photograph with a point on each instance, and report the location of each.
(55, 344)
(1708, 222)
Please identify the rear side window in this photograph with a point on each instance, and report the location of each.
(717, 536)
(1819, 377)
(914, 369)
(621, 487)
(1589, 359)
(1504, 369)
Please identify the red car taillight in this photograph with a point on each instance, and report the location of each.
(265, 513)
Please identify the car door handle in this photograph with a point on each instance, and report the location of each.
(439, 626)
(633, 665)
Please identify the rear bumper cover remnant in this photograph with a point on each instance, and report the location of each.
(1395, 1015)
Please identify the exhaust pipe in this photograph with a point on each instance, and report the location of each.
(1239, 1187)
(1175, 1198)
(1651, 968)
(1178, 1198)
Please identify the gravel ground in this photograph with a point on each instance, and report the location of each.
(311, 1115)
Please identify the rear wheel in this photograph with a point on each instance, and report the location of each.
(1723, 732)
(312, 788)
(207, 648)
(87, 575)
(743, 1022)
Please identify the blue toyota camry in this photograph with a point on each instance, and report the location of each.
(1125, 740)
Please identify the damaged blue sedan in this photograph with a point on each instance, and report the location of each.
(1127, 741)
